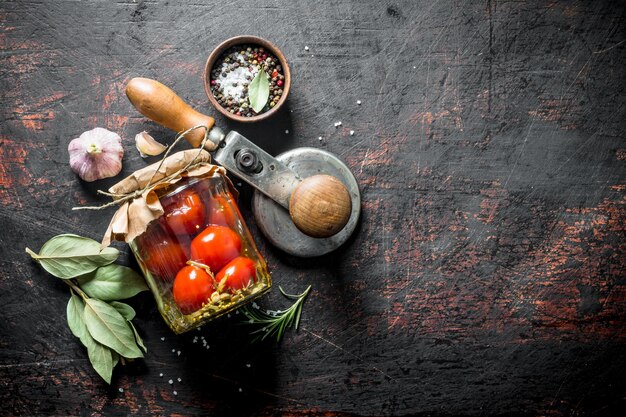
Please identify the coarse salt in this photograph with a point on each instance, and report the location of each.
(179, 380)
(352, 133)
(306, 48)
(121, 390)
(175, 393)
(358, 102)
(232, 82)
(337, 124)
(162, 339)
(161, 374)
(178, 353)
(286, 131)
(320, 138)
(170, 382)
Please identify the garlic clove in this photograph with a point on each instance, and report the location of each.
(148, 146)
(96, 154)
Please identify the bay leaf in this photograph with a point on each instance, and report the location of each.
(116, 358)
(75, 309)
(259, 91)
(101, 359)
(124, 309)
(112, 282)
(107, 326)
(137, 337)
(68, 256)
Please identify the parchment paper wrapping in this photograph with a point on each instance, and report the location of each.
(133, 216)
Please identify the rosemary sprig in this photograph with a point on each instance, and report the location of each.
(276, 322)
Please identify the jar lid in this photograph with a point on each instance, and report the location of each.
(152, 174)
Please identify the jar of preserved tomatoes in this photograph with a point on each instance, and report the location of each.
(190, 240)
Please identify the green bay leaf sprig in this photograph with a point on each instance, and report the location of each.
(259, 90)
(102, 324)
(274, 323)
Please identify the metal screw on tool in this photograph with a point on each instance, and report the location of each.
(248, 161)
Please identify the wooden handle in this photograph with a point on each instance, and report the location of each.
(157, 102)
(320, 206)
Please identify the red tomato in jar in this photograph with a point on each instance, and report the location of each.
(184, 212)
(239, 273)
(193, 286)
(220, 212)
(162, 256)
(215, 247)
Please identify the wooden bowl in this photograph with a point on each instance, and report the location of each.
(251, 40)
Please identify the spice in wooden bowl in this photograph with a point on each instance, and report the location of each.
(247, 79)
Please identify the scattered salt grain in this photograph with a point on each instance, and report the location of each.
(320, 138)
(162, 339)
(200, 328)
(170, 382)
(306, 48)
(240, 390)
(173, 350)
(161, 374)
(175, 393)
(286, 131)
(121, 390)
(414, 67)
(248, 365)
(352, 133)
(358, 102)
(179, 380)
(178, 353)
(337, 124)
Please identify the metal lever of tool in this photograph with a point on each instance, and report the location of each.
(319, 206)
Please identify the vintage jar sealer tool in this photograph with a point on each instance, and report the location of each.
(306, 202)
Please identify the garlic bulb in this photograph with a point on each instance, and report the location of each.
(96, 154)
(148, 146)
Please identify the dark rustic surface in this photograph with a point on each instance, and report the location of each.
(488, 273)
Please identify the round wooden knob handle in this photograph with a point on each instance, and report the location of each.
(157, 102)
(320, 206)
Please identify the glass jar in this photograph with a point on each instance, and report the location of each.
(198, 258)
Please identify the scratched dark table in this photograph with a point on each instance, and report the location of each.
(487, 275)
